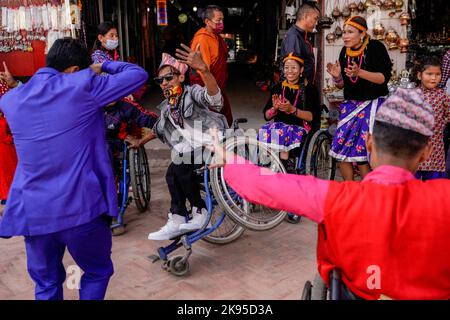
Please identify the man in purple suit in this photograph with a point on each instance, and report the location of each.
(63, 194)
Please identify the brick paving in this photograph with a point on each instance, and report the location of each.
(259, 265)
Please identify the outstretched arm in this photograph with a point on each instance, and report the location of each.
(302, 195)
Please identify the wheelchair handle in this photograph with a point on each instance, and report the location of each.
(238, 121)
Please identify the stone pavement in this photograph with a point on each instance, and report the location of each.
(260, 265)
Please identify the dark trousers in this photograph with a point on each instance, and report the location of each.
(89, 245)
(184, 184)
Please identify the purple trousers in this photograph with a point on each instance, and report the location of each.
(89, 245)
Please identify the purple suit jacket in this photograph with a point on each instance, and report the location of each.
(63, 177)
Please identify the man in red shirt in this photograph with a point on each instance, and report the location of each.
(387, 235)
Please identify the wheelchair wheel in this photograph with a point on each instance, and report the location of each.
(306, 294)
(319, 289)
(140, 178)
(226, 232)
(251, 216)
(177, 267)
(319, 163)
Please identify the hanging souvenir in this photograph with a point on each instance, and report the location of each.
(399, 5)
(392, 39)
(346, 10)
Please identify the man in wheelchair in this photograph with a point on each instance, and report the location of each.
(386, 235)
(183, 125)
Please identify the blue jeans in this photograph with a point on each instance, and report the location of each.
(89, 245)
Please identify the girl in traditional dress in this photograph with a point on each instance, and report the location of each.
(363, 70)
(429, 75)
(293, 110)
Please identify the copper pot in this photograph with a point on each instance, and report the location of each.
(336, 13)
(389, 4)
(331, 37)
(392, 39)
(338, 32)
(353, 7)
(405, 18)
(368, 3)
(377, 3)
(404, 45)
(378, 31)
(399, 5)
(346, 12)
(361, 6)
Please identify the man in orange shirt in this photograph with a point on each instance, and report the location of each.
(214, 52)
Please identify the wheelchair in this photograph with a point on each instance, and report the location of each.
(337, 290)
(312, 158)
(134, 172)
(228, 214)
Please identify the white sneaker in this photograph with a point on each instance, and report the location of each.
(197, 222)
(170, 230)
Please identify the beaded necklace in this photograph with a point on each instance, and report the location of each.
(292, 87)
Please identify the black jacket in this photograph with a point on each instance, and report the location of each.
(297, 41)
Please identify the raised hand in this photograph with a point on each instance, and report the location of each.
(334, 69)
(352, 70)
(97, 68)
(7, 77)
(193, 58)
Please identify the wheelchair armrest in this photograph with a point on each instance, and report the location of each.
(237, 121)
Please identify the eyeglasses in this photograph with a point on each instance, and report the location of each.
(167, 77)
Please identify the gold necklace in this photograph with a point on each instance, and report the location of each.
(290, 86)
(355, 53)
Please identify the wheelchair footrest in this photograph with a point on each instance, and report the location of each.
(154, 258)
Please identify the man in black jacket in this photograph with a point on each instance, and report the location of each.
(297, 41)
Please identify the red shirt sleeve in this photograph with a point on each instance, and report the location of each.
(301, 195)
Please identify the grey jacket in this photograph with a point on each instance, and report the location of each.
(194, 107)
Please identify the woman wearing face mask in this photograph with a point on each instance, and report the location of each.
(105, 49)
(363, 70)
(105, 46)
(215, 54)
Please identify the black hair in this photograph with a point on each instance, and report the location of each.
(68, 52)
(102, 29)
(294, 55)
(209, 11)
(428, 61)
(398, 142)
(423, 63)
(305, 8)
(359, 20)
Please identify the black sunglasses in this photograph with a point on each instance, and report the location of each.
(167, 77)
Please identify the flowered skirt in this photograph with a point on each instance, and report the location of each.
(282, 137)
(355, 122)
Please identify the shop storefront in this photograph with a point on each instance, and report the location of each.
(29, 28)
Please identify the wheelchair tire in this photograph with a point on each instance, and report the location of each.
(250, 216)
(227, 232)
(178, 268)
(140, 178)
(319, 289)
(306, 294)
(319, 163)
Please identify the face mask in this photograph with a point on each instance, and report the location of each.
(111, 44)
(219, 28)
